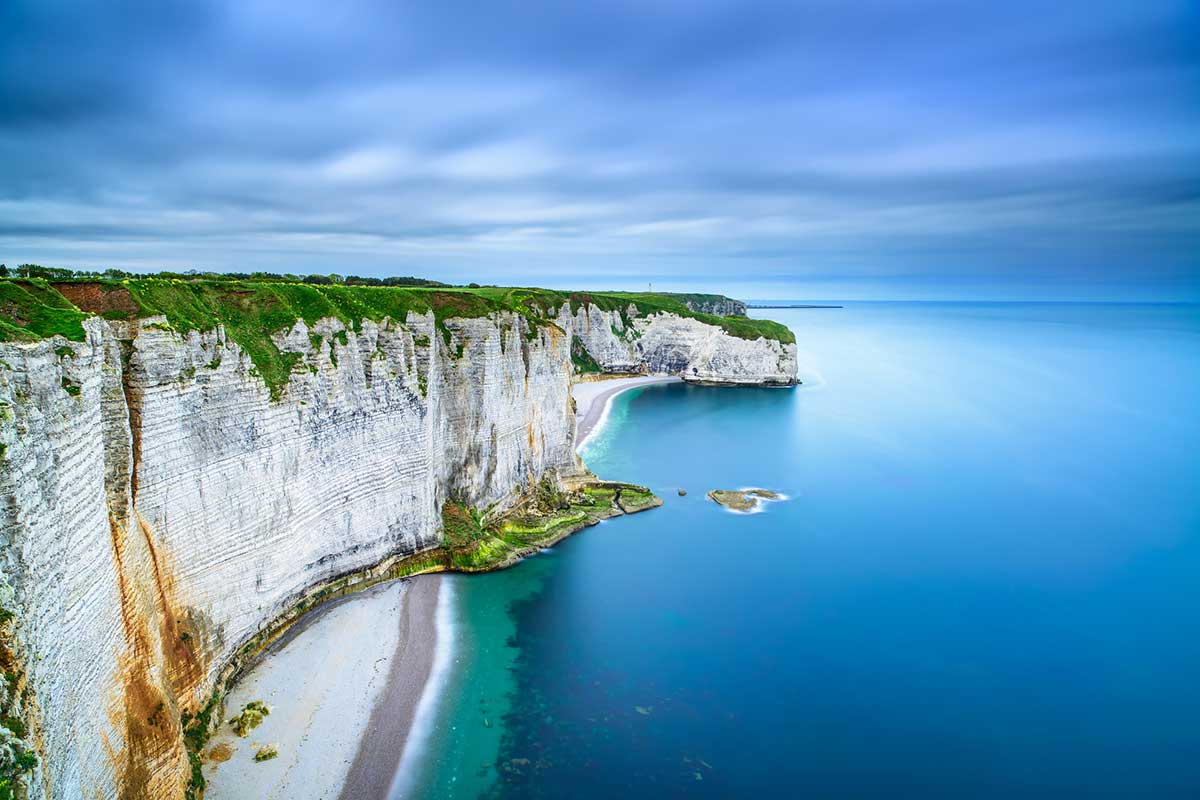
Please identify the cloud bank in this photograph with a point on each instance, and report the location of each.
(922, 147)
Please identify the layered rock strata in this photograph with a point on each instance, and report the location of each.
(160, 509)
(669, 344)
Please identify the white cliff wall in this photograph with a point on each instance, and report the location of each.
(674, 345)
(57, 551)
(250, 501)
(158, 509)
(162, 517)
(503, 409)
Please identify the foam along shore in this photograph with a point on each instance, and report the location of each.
(593, 398)
(343, 687)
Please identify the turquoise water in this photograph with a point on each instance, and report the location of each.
(986, 582)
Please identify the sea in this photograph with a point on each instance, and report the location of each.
(984, 580)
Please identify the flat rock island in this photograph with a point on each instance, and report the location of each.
(743, 501)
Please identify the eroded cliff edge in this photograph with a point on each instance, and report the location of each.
(166, 496)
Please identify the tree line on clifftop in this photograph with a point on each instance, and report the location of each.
(333, 279)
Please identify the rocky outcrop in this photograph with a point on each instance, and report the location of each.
(160, 508)
(670, 344)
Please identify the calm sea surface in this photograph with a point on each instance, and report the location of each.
(986, 582)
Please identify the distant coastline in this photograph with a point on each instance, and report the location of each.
(797, 305)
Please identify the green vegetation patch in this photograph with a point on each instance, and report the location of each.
(637, 497)
(650, 303)
(197, 728)
(251, 310)
(540, 526)
(462, 526)
(266, 753)
(250, 718)
(582, 359)
(548, 515)
(32, 310)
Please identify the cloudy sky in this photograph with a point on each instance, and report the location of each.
(811, 150)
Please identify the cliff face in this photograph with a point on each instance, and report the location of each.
(675, 345)
(160, 508)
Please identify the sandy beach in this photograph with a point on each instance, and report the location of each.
(343, 687)
(380, 750)
(592, 399)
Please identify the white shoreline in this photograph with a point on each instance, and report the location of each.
(588, 393)
(417, 742)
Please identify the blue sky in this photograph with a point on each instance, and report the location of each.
(819, 149)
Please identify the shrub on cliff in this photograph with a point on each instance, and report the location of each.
(461, 526)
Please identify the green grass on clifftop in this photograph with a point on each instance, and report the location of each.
(651, 303)
(35, 308)
(32, 310)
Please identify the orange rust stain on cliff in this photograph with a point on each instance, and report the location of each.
(152, 763)
(180, 641)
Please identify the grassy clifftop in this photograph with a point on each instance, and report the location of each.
(250, 310)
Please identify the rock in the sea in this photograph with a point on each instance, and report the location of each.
(683, 492)
(744, 500)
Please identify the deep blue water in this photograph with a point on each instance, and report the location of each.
(986, 582)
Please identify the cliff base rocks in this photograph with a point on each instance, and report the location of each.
(475, 544)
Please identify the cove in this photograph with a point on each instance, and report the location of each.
(983, 583)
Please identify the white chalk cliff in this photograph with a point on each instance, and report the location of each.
(160, 508)
(673, 345)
